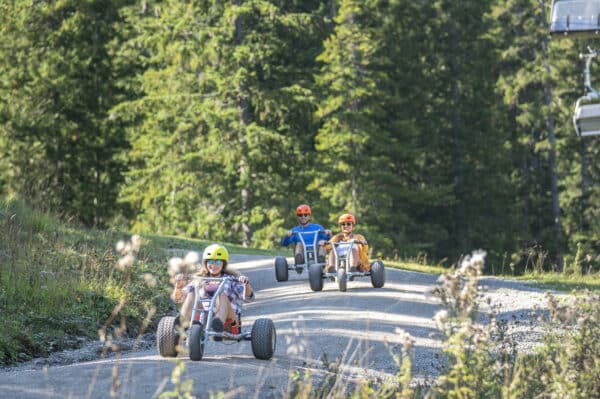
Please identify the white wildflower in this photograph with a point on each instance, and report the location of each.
(440, 319)
(149, 279)
(126, 262)
(175, 265)
(136, 242)
(192, 258)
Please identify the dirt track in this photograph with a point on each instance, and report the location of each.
(362, 327)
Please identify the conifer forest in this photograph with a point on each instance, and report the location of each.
(443, 126)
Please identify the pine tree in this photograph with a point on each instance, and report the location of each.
(354, 147)
(223, 106)
(55, 91)
(536, 78)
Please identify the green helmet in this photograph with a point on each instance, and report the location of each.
(216, 251)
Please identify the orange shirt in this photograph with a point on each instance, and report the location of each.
(363, 249)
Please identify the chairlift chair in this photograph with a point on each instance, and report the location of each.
(586, 118)
(576, 18)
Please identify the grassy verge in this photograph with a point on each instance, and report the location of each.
(60, 282)
(565, 282)
(417, 267)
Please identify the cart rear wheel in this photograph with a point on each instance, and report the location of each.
(315, 277)
(341, 278)
(196, 342)
(281, 268)
(377, 274)
(264, 339)
(167, 336)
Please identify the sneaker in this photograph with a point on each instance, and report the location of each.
(331, 269)
(218, 327)
(321, 258)
(231, 326)
(299, 259)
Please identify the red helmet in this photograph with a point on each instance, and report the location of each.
(303, 210)
(346, 217)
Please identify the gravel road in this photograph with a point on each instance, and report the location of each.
(361, 328)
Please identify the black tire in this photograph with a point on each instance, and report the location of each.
(281, 268)
(167, 336)
(196, 342)
(264, 339)
(377, 274)
(315, 277)
(341, 279)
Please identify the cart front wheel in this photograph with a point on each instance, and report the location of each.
(264, 339)
(377, 274)
(341, 279)
(167, 336)
(196, 342)
(315, 277)
(281, 268)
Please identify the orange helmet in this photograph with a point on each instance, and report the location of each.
(346, 217)
(303, 210)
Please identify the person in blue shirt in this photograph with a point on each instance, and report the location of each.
(304, 213)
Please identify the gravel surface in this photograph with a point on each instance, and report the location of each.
(305, 333)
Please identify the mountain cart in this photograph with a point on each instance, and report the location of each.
(342, 251)
(195, 338)
(310, 251)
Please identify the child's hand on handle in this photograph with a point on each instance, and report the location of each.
(243, 280)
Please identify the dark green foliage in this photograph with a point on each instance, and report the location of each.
(56, 88)
(216, 148)
(444, 126)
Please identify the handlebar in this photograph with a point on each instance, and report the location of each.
(336, 243)
(220, 279)
(316, 232)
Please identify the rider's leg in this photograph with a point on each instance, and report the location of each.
(224, 317)
(353, 260)
(331, 263)
(223, 308)
(186, 309)
(299, 254)
(321, 252)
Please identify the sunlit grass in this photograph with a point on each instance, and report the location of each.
(417, 267)
(175, 242)
(563, 281)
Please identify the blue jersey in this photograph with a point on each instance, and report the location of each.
(308, 234)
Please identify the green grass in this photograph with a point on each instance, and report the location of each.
(564, 282)
(59, 281)
(174, 242)
(417, 267)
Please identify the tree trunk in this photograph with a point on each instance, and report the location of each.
(244, 167)
(552, 153)
(585, 189)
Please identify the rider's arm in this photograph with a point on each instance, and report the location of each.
(288, 238)
(249, 292)
(323, 234)
(328, 245)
